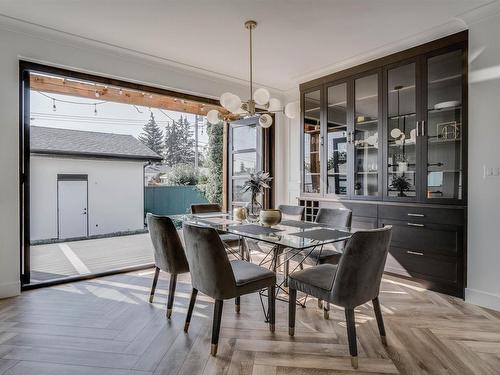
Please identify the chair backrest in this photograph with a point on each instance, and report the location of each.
(168, 250)
(211, 271)
(335, 217)
(205, 208)
(360, 269)
(291, 212)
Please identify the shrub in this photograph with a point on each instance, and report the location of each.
(181, 174)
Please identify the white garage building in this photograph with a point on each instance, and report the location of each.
(85, 183)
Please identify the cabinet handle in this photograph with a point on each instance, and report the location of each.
(414, 252)
(423, 128)
(417, 128)
(416, 225)
(416, 215)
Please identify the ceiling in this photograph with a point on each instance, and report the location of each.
(294, 38)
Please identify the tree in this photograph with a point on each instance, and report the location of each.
(179, 142)
(152, 135)
(213, 187)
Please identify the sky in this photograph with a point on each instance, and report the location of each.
(111, 117)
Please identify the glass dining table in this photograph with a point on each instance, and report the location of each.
(286, 241)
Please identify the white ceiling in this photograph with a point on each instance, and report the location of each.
(294, 38)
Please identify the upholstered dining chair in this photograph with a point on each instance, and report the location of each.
(214, 275)
(207, 208)
(351, 283)
(168, 254)
(291, 212)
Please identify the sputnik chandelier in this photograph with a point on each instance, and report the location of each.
(261, 97)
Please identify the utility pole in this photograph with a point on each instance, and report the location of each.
(195, 141)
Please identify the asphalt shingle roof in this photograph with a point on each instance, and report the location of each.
(77, 142)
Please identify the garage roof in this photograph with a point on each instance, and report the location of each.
(56, 141)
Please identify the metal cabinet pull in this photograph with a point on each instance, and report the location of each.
(416, 215)
(423, 128)
(414, 252)
(415, 225)
(416, 128)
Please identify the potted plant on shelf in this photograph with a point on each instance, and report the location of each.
(256, 184)
(401, 184)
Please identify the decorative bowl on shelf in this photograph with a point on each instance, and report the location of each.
(268, 218)
(449, 104)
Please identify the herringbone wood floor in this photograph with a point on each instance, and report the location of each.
(106, 326)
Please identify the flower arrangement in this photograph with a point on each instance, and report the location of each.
(256, 184)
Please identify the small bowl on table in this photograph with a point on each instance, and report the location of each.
(270, 217)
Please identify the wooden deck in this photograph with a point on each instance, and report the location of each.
(59, 260)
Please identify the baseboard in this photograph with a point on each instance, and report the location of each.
(484, 299)
(10, 289)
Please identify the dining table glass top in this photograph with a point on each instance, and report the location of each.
(289, 233)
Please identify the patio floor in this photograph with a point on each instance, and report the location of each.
(59, 260)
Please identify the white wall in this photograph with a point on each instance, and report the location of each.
(483, 285)
(115, 194)
(22, 41)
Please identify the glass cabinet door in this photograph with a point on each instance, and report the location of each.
(443, 129)
(401, 176)
(336, 144)
(365, 136)
(312, 142)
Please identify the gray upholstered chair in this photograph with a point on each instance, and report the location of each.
(206, 208)
(335, 218)
(168, 253)
(214, 275)
(351, 283)
(291, 212)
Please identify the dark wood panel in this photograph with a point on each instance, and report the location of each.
(361, 222)
(429, 238)
(358, 209)
(420, 265)
(417, 214)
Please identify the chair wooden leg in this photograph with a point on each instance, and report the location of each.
(292, 301)
(271, 307)
(171, 294)
(380, 320)
(153, 287)
(216, 326)
(237, 304)
(320, 304)
(326, 310)
(194, 293)
(286, 271)
(351, 336)
(301, 266)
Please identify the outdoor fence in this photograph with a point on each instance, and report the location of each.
(171, 200)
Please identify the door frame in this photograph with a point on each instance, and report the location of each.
(25, 68)
(73, 177)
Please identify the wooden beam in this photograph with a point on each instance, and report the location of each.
(55, 85)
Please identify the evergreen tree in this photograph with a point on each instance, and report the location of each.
(213, 189)
(179, 142)
(152, 135)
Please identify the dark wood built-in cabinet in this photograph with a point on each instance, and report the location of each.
(388, 139)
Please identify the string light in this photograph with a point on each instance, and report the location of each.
(150, 96)
(120, 92)
(96, 92)
(95, 109)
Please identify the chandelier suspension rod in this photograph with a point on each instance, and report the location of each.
(251, 67)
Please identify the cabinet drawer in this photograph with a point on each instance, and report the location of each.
(358, 209)
(420, 265)
(431, 238)
(448, 216)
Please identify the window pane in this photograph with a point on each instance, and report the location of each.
(337, 140)
(366, 136)
(238, 195)
(244, 137)
(244, 163)
(444, 126)
(401, 132)
(312, 169)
